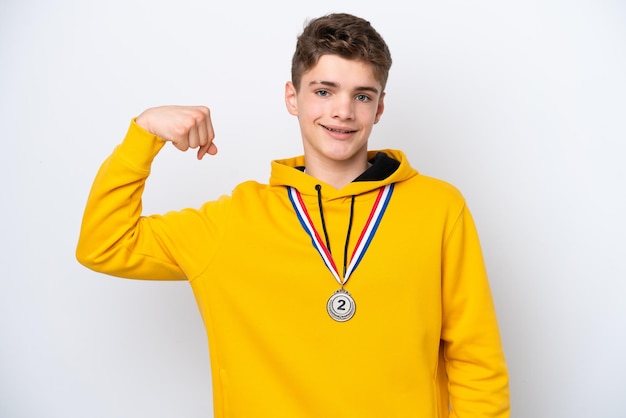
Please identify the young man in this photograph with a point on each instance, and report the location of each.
(349, 286)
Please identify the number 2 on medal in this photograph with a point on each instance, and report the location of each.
(341, 305)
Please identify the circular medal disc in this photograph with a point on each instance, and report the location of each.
(341, 306)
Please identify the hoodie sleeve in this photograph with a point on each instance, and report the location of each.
(117, 240)
(475, 363)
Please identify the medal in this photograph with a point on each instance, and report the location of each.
(341, 306)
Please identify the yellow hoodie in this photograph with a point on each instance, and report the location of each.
(423, 342)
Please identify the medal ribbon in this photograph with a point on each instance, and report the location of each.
(376, 214)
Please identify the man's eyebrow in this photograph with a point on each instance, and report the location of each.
(333, 84)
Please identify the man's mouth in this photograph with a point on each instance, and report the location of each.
(339, 131)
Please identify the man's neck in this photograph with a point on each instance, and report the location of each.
(337, 174)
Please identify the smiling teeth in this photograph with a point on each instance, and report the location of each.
(341, 131)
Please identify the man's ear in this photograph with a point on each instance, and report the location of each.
(381, 107)
(291, 97)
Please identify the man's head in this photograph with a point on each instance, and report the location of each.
(344, 35)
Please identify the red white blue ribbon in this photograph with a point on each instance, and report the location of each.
(376, 214)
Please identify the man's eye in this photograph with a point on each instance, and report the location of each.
(363, 98)
(322, 93)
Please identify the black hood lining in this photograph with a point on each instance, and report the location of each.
(382, 167)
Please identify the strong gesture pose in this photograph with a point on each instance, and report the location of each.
(348, 286)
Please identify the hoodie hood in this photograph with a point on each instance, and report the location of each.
(388, 166)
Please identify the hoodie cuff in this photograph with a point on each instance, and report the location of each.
(139, 147)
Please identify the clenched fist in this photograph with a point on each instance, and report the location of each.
(185, 126)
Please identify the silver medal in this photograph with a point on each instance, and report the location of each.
(341, 306)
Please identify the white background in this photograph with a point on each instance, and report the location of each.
(520, 104)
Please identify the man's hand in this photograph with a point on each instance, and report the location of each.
(184, 126)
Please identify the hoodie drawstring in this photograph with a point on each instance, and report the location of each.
(318, 188)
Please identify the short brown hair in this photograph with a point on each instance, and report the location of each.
(341, 34)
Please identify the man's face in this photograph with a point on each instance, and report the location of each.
(337, 106)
